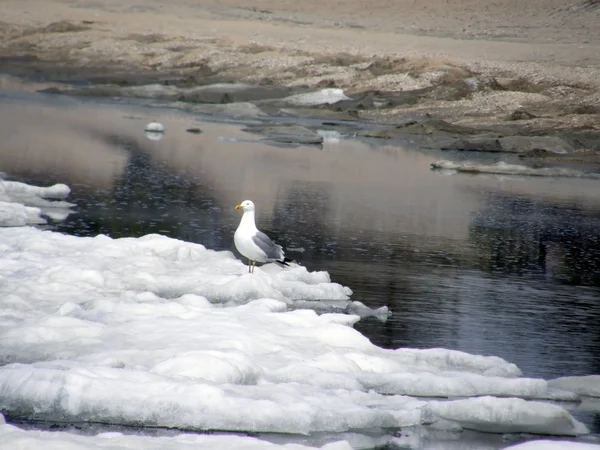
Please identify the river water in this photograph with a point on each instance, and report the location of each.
(492, 265)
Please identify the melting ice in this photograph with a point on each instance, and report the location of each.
(154, 331)
(22, 204)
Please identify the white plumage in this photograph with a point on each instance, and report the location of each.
(254, 244)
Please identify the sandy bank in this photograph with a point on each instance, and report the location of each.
(511, 66)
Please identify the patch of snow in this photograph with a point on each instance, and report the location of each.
(324, 96)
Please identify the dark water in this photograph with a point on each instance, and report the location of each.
(485, 264)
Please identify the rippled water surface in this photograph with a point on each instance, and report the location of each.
(493, 265)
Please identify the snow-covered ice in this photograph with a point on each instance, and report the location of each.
(154, 331)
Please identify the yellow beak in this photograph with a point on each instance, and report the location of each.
(239, 207)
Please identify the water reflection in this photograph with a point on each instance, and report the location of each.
(484, 264)
(516, 235)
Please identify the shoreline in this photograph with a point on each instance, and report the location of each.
(493, 87)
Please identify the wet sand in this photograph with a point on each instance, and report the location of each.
(514, 67)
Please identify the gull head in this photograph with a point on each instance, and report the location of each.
(246, 205)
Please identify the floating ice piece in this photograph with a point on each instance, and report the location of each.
(12, 438)
(324, 96)
(24, 204)
(508, 415)
(155, 127)
(584, 385)
(154, 131)
(16, 189)
(503, 168)
(542, 444)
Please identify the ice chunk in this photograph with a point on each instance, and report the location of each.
(584, 385)
(508, 415)
(155, 127)
(16, 189)
(23, 204)
(154, 131)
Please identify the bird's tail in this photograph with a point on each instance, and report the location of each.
(285, 261)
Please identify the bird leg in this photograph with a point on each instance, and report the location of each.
(249, 266)
(253, 266)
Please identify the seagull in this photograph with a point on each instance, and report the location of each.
(254, 244)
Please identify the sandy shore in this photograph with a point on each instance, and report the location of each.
(532, 66)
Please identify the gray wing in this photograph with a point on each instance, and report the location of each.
(271, 249)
